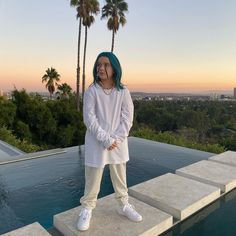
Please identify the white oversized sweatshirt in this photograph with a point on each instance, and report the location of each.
(108, 118)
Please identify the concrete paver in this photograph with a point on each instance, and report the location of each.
(34, 229)
(176, 195)
(220, 175)
(106, 221)
(228, 157)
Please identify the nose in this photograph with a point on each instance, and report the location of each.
(100, 67)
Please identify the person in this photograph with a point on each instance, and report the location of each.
(108, 117)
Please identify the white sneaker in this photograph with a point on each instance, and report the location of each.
(84, 219)
(129, 211)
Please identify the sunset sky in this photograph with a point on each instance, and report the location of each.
(166, 45)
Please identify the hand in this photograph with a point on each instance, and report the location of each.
(114, 145)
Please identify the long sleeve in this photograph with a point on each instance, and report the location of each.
(126, 121)
(91, 121)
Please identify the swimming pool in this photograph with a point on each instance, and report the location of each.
(35, 190)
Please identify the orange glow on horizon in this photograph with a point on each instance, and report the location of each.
(34, 84)
(144, 82)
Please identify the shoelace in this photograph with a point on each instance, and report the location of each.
(129, 206)
(85, 214)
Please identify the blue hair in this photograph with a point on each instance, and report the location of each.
(115, 66)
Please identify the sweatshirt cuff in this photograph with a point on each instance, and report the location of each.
(109, 142)
(118, 138)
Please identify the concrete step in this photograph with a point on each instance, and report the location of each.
(220, 175)
(34, 229)
(228, 157)
(176, 195)
(106, 221)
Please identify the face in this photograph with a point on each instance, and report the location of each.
(104, 69)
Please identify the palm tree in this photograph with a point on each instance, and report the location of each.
(91, 7)
(80, 9)
(51, 78)
(64, 90)
(114, 10)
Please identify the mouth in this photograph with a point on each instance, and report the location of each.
(101, 74)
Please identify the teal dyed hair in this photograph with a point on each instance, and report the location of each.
(115, 66)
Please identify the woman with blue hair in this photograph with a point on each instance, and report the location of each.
(108, 116)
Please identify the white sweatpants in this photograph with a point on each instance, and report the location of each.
(93, 177)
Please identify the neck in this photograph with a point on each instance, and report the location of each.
(107, 84)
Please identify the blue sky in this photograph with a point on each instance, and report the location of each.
(166, 45)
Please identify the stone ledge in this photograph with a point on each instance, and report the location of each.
(228, 157)
(106, 221)
(176, 195)
(220, 175)
(34, 155)
(34, 229)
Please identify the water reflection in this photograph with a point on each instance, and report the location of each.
(200, 216)
(230, 196)
(8, 218)
(3, 193)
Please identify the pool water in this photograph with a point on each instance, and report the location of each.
(35, 190)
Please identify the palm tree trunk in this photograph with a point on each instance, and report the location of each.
(84, 59)
(78, 69)
(112, 42)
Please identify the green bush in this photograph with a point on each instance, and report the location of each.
(22, 131)
(7, 136)
(175, 139)
(7, 113)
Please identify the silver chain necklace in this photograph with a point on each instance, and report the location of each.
(106, 91)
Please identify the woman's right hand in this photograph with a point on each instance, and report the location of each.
(114, 145)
